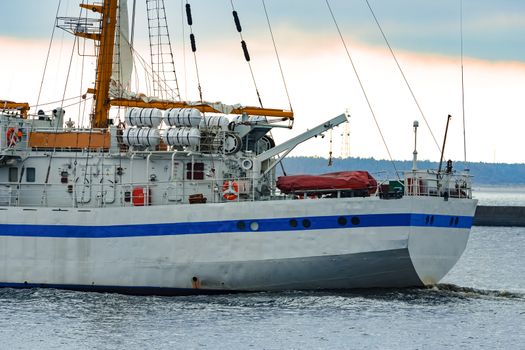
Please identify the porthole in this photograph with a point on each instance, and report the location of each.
(451, 221)
(432, 220)
(241, 225)
(427, 220)
(342, 221)
(355, 221)
(254, 226)
(293, 222)
(306, 223)
(456, 222)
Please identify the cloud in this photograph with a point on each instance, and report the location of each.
(322, 83)
(492, 29)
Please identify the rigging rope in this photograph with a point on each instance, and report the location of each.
(402, 74)
(184, 51)
(362, 87)
(193, 46)
(463, 85)
(68, 73)
(282, 75)
(76, 103)
(149, 72)
(80, 113)
(48, 54)
(54, 102)
(277, 55)
(245, 50)
(133, 14)
(51, 156)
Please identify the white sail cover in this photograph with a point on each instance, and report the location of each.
(122, 56)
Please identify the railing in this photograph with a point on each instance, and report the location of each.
(93, 195)
(74, 25)
(22, 194)
(430, 183)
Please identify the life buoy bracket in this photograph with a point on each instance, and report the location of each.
(13, 135)
(230, 190)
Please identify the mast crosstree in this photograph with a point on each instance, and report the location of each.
(103, 32)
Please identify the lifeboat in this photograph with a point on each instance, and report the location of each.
(343, 180)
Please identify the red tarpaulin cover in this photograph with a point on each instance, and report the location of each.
(356, 180)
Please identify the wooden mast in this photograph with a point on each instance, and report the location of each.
(100, 115)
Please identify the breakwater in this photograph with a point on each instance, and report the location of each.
(499, 216)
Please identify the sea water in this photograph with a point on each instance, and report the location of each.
(500, 195)
(479, 305)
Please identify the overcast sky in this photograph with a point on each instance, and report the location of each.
(492, 29)
(424, 34)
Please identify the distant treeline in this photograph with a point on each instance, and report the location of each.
(484, 173)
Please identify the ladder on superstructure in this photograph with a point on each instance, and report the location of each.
(165, 84)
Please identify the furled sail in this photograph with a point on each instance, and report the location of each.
(122, 56)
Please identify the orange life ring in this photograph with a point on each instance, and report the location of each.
(230, 190)
(13, 136)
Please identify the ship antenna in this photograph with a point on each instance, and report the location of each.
(414, 160)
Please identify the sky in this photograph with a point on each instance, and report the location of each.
(425, 36)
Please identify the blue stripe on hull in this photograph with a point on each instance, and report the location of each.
(263, 225)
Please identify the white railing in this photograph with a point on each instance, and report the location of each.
(105, 194)
(127, 194)
(430, 183)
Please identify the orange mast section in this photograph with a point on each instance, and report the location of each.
(100, 117)
(104, 62)
(203, 107)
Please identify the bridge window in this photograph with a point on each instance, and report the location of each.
(30, 174)
(195, 171)
(13, 174)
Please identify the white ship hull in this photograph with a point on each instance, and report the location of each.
(246, 246)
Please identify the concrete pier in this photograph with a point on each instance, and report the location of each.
(499, 216)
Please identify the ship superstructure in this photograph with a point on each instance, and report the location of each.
(183, 197)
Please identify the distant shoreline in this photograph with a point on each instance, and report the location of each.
(484, 174)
